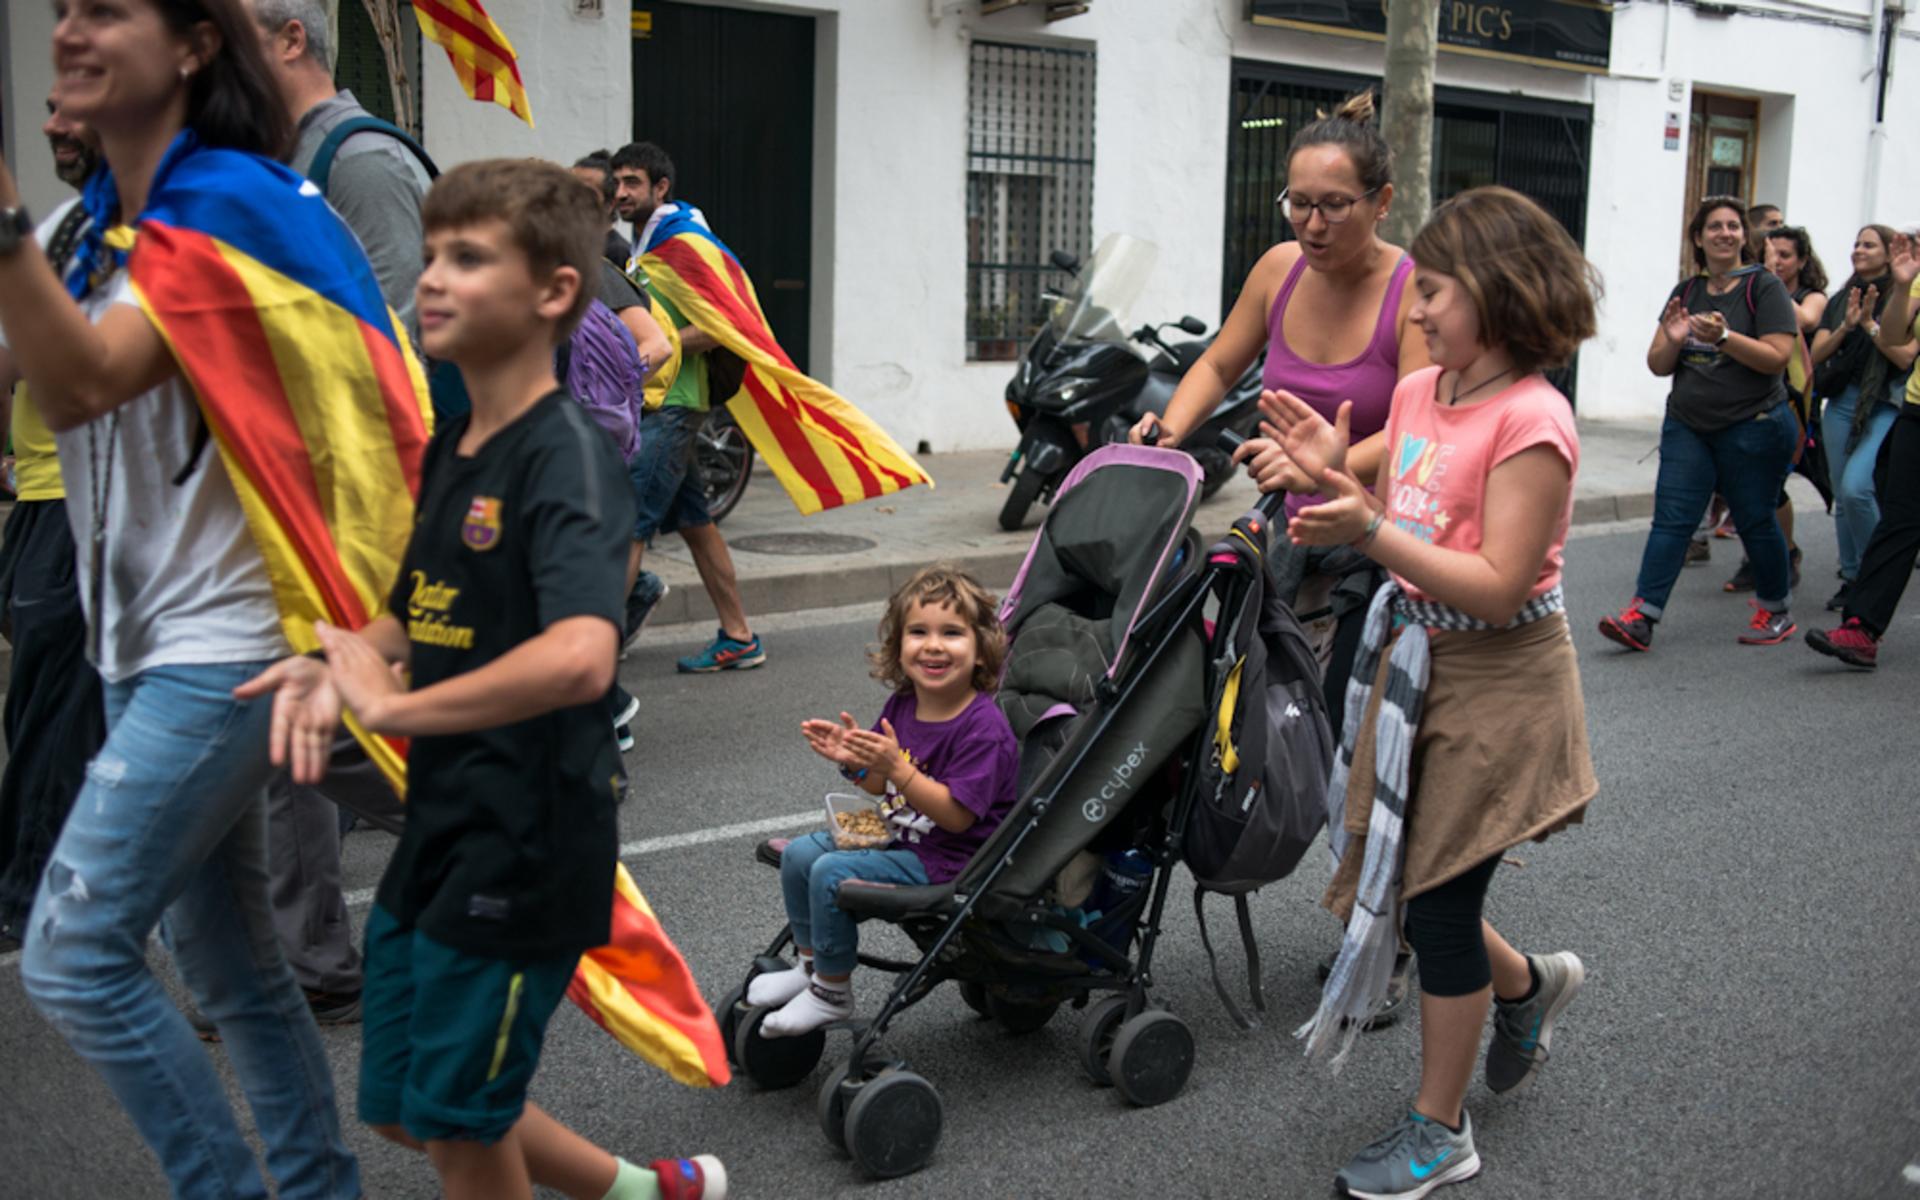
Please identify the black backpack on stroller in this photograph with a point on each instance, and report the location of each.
(1262, 796)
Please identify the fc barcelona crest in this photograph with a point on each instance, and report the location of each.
(481, 530)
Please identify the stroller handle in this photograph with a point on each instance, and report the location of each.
(1270, 503)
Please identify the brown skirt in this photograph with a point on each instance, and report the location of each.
(1500, 757)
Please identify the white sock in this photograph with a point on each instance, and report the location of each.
(778, 987)
(820, 1004)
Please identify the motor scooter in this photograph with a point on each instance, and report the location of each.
(1084, 381)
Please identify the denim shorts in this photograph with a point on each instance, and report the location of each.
(668, 489)
(450, 1040)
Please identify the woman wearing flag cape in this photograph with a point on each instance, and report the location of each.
(240, 425)
(181, 602)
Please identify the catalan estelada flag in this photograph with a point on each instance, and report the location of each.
(482, 57)
(309, 388)
(824, 451)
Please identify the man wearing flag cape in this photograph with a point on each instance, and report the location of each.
(823, 450)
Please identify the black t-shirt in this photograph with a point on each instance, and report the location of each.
(616, 291)
(1710, 390)
(617, 249)
(510, 836)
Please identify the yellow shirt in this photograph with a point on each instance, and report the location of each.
(35, 463)
(1913, 380)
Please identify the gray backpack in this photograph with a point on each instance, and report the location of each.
(1262, 792)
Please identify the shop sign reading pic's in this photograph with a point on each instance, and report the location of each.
(1572, 35)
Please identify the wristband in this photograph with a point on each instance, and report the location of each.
(853, 776)
(1373, 530)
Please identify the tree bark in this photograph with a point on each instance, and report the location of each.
(1407, 121)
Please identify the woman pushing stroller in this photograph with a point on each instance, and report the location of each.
(944, 760)
(1477, 740)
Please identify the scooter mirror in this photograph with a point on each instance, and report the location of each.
(1066, 262)
(1193, 325)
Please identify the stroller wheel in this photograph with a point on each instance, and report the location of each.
(727, 1013)
(975, 994)
(775, 1063)
(1152, 1057)
(832, 1105)
(893, 1124)
(1017, 1017)
(1098, 1027)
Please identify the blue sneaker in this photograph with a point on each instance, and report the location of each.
(648, 590)
(1410, 1160)
(724, 654)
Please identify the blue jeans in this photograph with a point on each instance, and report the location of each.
(668, 489)
(172, 823)
(811, 871)
(1856, 510)
(1747, 463)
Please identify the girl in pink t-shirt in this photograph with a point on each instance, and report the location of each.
(1477, 740)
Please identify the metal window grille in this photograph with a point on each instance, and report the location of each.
(1029, 183)
(361, 68)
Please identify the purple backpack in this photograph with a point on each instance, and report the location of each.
(600, 365)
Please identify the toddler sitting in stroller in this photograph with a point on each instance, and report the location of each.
(943, 757)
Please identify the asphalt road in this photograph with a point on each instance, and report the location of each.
(1744, 895)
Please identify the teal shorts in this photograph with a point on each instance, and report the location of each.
(449, 1040)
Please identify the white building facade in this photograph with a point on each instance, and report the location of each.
(893, 172)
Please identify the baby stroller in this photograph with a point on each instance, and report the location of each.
(1109, 687)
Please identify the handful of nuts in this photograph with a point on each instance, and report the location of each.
(860, 830)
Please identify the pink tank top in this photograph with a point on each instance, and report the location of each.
(1368, 380)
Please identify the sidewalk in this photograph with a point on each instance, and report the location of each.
(788, 562)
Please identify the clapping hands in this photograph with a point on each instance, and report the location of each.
(1341, 520)
(1297, 445)
(845, 744)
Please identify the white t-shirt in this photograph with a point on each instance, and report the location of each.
(185, 583)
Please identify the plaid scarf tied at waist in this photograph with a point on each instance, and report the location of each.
(1356, 988)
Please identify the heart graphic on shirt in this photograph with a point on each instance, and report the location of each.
(1410, 450)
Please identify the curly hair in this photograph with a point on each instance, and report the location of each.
(1698, 226)
(1534, 291)
(952, 588)
(1813, 272)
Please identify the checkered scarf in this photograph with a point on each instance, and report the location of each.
(1356, 988)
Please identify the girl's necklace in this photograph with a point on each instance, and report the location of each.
(1459, 395)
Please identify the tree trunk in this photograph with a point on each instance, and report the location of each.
(389, 28)
(1407, 122)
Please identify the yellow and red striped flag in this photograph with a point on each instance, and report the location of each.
(319, 409)
(822, 449)
(482, 57)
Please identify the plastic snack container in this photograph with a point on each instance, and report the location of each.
(856, 822)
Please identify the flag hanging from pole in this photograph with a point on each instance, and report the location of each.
(822, 449)
(482, 57)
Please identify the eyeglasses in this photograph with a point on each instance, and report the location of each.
(1334, 210)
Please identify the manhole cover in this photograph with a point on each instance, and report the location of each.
(801, 543)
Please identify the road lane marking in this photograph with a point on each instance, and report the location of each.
(652, 845)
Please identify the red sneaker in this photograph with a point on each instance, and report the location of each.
(1851, 644)
(698, 1178)
(1767, 628)
(1632, 628)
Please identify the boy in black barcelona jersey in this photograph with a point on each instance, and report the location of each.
(507, 613)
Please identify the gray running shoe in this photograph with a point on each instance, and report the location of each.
(1522, 1032)
(1410, 1160)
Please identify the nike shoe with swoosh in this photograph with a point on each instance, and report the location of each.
(1410, 1160)
(1522, 1032)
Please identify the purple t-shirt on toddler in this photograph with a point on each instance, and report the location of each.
(978, 759)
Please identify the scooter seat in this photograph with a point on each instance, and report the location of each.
(893, 902)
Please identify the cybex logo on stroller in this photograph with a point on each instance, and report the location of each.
(1095, 809)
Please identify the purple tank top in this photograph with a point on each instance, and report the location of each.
(1368, 380)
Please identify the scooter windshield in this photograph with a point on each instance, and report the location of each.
(1096, 310)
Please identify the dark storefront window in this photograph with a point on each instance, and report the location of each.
(1536, 147)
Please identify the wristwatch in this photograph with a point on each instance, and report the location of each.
(15, 228)
(1722, 339)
